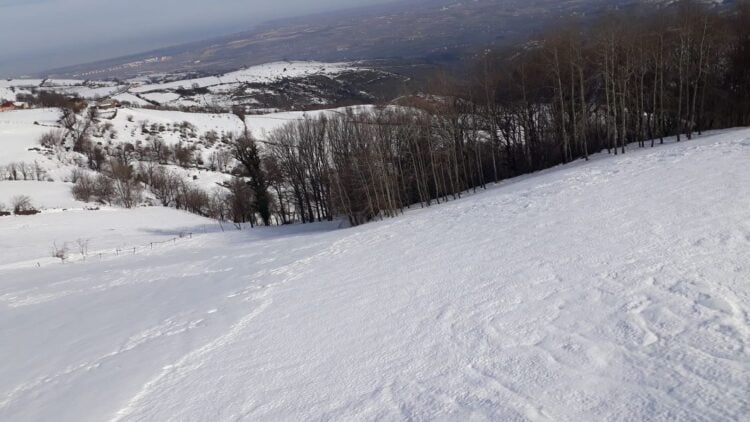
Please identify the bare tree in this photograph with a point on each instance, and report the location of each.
(21, 204)
(59, 252)
(83, 246)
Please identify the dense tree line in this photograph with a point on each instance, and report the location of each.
(629, 78)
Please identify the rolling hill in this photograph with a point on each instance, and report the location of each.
(409, 33)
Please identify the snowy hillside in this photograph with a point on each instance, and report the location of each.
(610, 290)
(268, 86)
(269, 72)
(21, 130)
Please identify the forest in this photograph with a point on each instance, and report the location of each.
(631, 79)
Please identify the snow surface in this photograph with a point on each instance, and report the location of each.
(130, 131)
(611, 290)
(130, 98)
(264, 73)
(263, 124)
(85, 89)
(18, 133)
(27, 241)
(44, 195)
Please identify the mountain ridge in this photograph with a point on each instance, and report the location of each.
(440, 31)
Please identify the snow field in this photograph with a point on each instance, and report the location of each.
(264, 73)
(26, 241)
(610, 290)
(18, 133)
(19, 136)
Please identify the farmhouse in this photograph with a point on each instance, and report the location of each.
(7, 106)
(107, 104)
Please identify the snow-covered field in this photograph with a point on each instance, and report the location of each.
(264, 73)
(220, 90)
(27, 242)
(263, 124)
(612, 290)
(20, 131)
(43, 195)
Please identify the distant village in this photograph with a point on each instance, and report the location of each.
(13, 105)
(6, 106)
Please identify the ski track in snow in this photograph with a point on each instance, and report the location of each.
(611, 290)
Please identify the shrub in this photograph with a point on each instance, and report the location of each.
(84, 188)
(52, 139)
(99, 188)
(21, 205)
(59, 252)
(28, 212)
(104, 189)
(183, 156)
(193, 199)
(75, 175)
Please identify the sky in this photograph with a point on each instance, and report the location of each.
(38, 35)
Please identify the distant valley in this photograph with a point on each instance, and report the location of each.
(406, 32)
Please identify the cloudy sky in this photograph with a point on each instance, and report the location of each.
(37, 35)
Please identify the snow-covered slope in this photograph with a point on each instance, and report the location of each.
(27, 241)
(610, 290)
(20, 131)
(287, 85)
(265, 73)
(19, 143)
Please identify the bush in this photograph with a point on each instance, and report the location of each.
(99, 188)
(193, 199)
(75, 175)
(127, 191)
(165, 185)
(183, 156)
(21, 205)
(28, 212)
(84, 188)
(104, 189)
(52, 139)
(59, 252)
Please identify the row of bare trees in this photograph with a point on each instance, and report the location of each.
(629, 79)
(23, 171)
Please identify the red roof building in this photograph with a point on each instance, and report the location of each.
(7, 106)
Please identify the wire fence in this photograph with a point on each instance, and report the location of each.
(77, 251)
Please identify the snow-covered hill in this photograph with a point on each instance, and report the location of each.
(278, 85)
(20, 131)
(610, 290)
